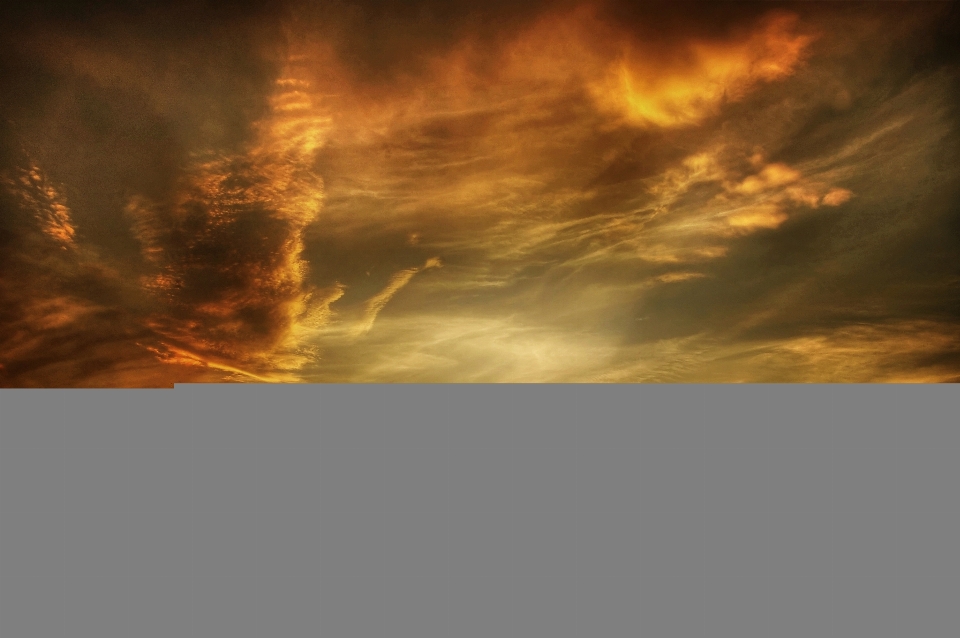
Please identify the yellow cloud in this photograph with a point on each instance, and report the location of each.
(375, 304)
(752, 218)
(679, 276)
(321, 312)
(772, 176)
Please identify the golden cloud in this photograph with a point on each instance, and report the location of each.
(375, 304)
(706, 75)
(48, 206)
(771, 176)
(751, 218)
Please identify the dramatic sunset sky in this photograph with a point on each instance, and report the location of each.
(479, 192)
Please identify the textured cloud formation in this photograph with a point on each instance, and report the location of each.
(667, 192)
(49, 210)
(229, 277)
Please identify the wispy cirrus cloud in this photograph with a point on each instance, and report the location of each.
(376, 303)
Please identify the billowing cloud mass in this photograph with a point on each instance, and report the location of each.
(439, 191)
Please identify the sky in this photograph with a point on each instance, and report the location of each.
(429, 192)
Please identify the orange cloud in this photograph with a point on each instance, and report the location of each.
(710, 73)
(626, 77)
(804, 196)
(837, 196)
(48, 207)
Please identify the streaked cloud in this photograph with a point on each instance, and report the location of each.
(375, 304)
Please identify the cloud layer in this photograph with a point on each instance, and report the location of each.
(671, 193)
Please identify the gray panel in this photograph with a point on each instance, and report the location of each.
(31, 451)
(453, 510)
(33, 607)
